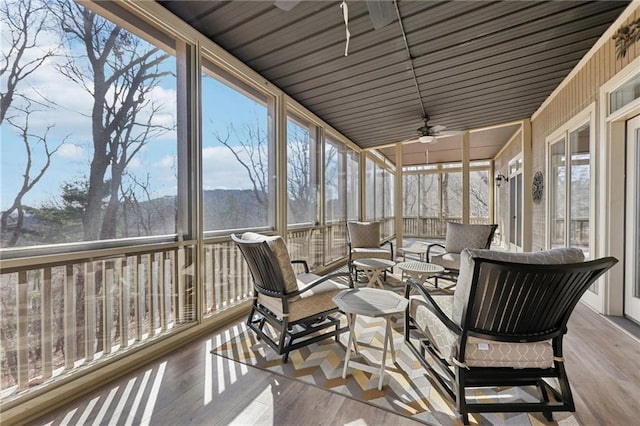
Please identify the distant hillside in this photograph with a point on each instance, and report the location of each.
(232, 209)
(223, 209)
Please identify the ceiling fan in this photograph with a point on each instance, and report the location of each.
(427, 134)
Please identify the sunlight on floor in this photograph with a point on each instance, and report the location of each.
(231, 367)
(123, 403)
(259, 411)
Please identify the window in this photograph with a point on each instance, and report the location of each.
(430, 195)
(557, 192)
(341, 181)
(302, 181)
(452, 194)
(410, 184)
(353, 185)
(99, 150)
(370, 172)
(625, 94)
(237, 154)
(570, 189)
(433, 196)
(379, 191)
(580, 188)
(479, 194)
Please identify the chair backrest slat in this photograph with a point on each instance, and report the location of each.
(525, 302)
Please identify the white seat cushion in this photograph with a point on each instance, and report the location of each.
(315, 301)
(478, 352)
(376, 253)
(446, 260)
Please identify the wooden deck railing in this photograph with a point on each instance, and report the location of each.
(62, 312)
(433, 227)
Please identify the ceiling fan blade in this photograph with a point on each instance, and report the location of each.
(381, 12)
(286, 5)
(450, 133)
(438, 129)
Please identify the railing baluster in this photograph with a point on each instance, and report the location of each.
(138, 296)
(89, 311)
(166, 290)
(69, 317)
(154, 309)
(22, 343)
(125, 282)
(107, 307)
(151, 293)
(180, 270)
(46, 329)
(208, 302)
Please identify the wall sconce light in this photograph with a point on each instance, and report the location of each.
(499, 178)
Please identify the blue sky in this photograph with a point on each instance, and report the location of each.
(64, 109)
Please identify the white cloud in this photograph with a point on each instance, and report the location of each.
(70, 151)
(166, 168)
(168, 161)
(134, 163)
(221, 170)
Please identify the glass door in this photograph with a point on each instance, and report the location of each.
(632, 222)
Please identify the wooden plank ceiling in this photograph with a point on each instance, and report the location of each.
(477, 63)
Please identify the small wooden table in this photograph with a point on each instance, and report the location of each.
(416, 248)
(421, 271)
(374, 268)
(374, 303)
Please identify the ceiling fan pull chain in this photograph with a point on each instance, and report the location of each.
(345, 15)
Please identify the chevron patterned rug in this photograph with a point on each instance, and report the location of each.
(406, 389)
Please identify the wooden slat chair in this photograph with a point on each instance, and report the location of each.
(364, 242)
(459, 237)
(503, 326)
(298, 308)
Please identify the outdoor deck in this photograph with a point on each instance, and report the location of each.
(191, 386)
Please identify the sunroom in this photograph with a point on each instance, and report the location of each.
(138, 136)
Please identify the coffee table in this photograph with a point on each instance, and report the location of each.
(421, 271)
(374, 303)
(373, 268)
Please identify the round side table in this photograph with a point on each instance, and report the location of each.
(421, 271)
(374, 303)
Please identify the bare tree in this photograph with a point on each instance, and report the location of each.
(24, 22)
(148, 213)
(121, 72)
(28, 180)
(252, 154)
(300, 188)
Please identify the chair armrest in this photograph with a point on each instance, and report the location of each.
(304, 264)
(391, 244)
(430, 246)
(412, 284)
(320, 281)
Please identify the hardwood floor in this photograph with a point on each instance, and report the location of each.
(191, 386)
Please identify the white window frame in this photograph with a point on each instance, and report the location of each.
(586, 116)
